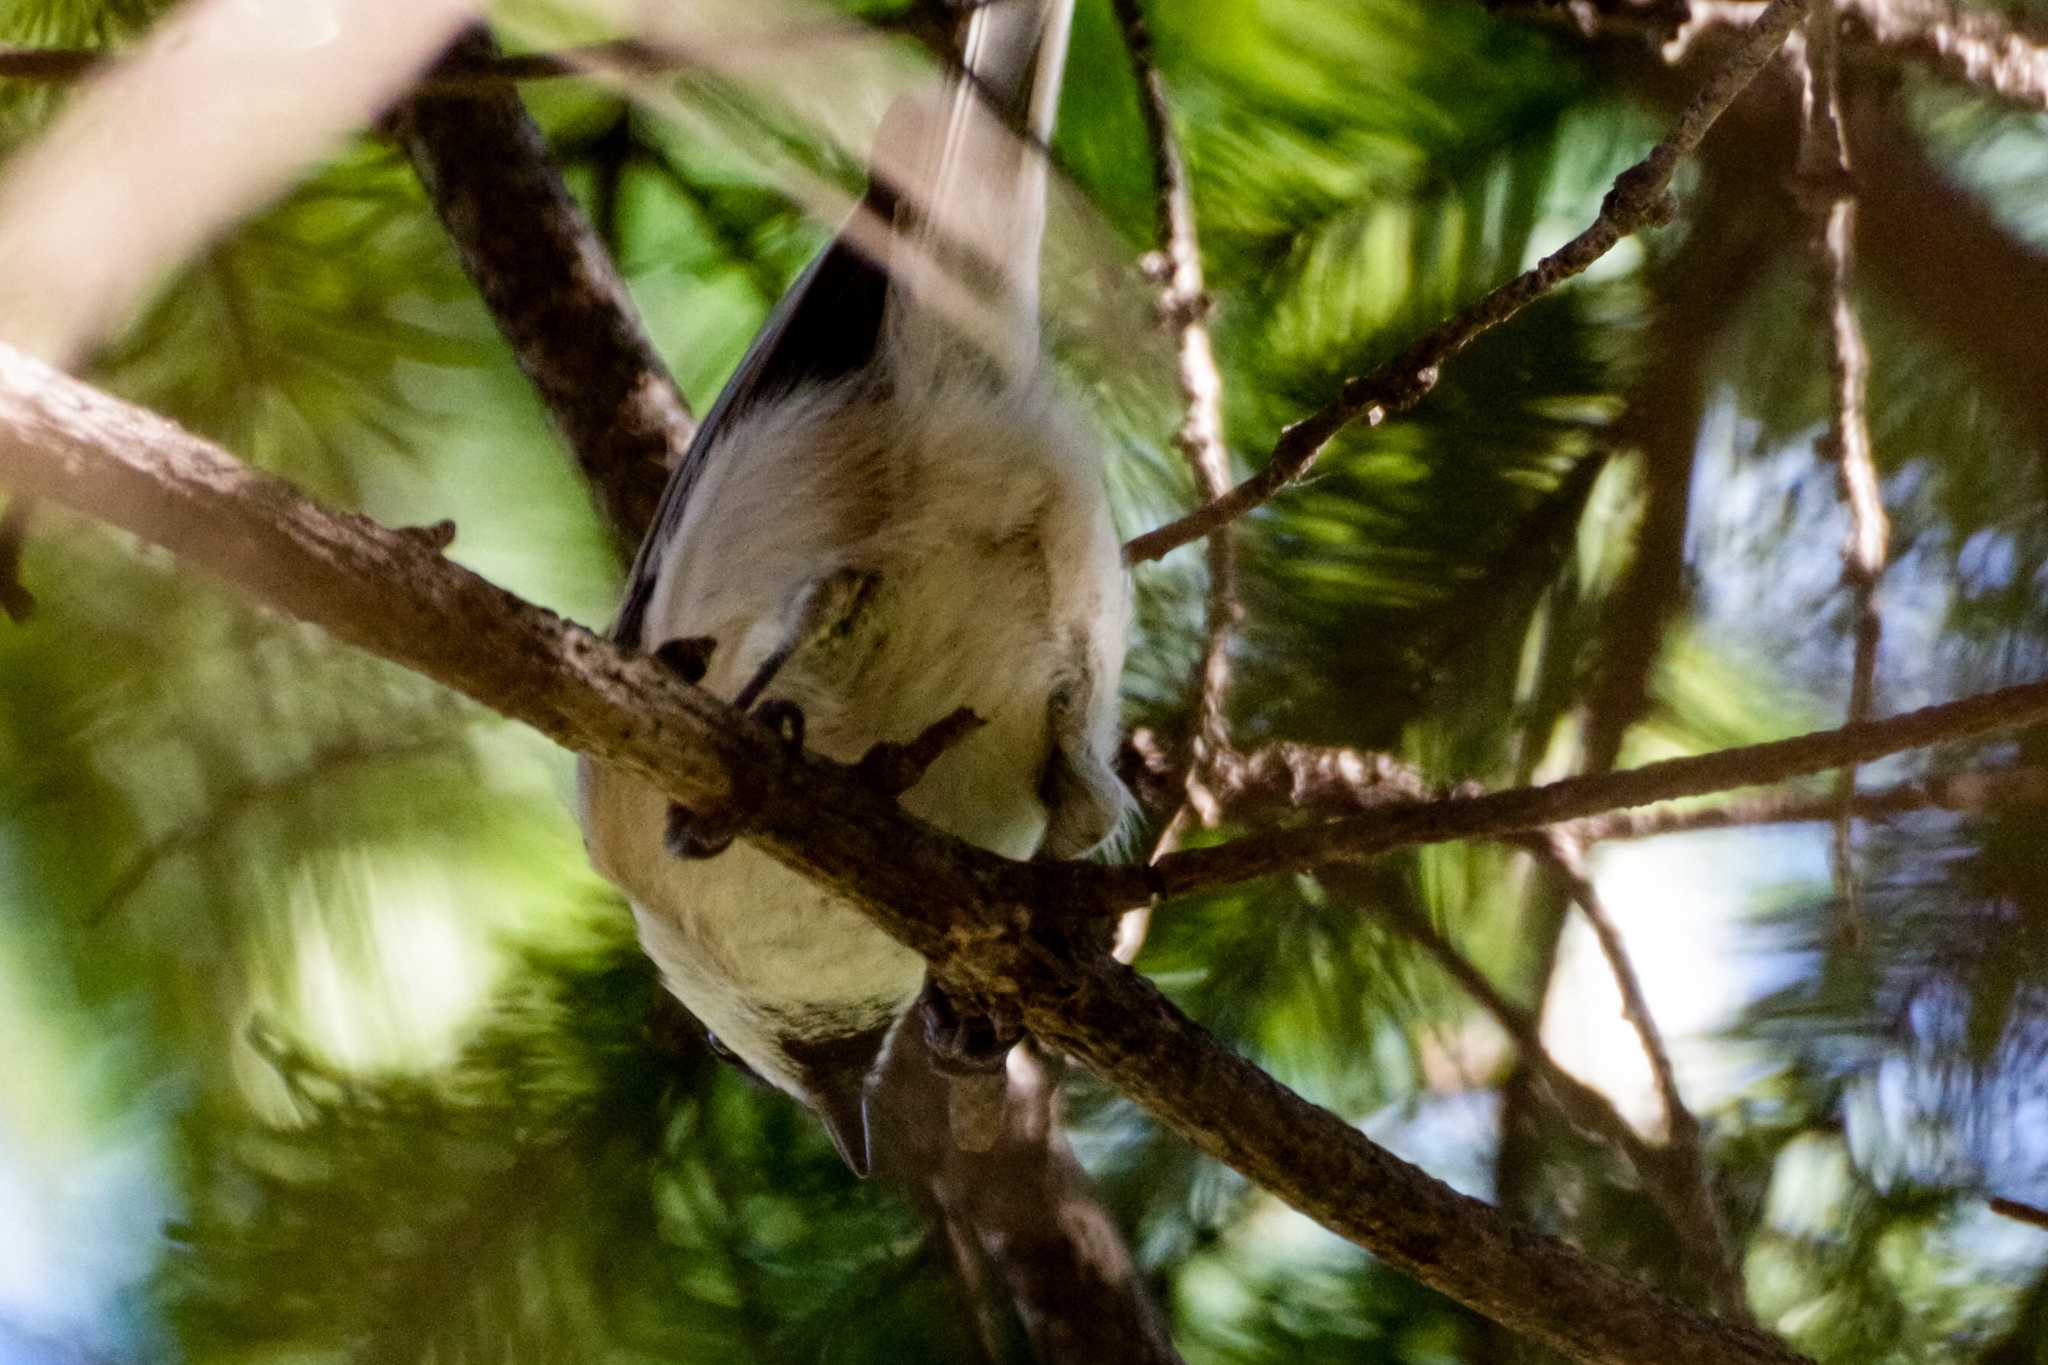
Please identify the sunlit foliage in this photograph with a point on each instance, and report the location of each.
(325, 1045)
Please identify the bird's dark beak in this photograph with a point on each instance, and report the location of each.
(843, 1108)
(835, 1073)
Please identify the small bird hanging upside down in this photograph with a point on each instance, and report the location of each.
(888, 516)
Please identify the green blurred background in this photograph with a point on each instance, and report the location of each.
(323, 1044)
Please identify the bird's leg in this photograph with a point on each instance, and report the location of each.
(1082, 795)
(687, 657)
(820, 608)
(966, 1042)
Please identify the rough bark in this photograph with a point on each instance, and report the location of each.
(550, 285)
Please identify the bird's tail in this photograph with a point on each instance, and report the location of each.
(973, 177)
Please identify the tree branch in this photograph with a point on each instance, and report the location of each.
(1520, 809)
(2020, 1213)
(551, 286)
(1184, 306)
(1641, 197)
(1969, 794)
(1996, 50)
(987, 925)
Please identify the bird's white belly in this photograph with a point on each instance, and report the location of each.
(744, 935)
(751, 946)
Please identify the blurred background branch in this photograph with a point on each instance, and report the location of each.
(368, 1069)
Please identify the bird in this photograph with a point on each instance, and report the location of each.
(892, 512)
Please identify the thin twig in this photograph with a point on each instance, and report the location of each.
(1999, 50)
(1672, 1173)
(1826, 189)
(2020, 1213)
(1968, 793)
(1184, 305)
(1585, 1108)
(1295, 778)
(1331, 781)
(1519, 809)
(1568, 860)
(1640, 197)
(1334, 782)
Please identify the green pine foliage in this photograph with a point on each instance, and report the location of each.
(306, 954)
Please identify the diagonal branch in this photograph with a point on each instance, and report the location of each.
(551, 286)
(1520, 809)
(2020, 1213)
(1641, 197)
(1585, 1108)
(1293, 778)
(1968, 793)
(987, 925)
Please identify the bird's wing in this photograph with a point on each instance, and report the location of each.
(962, 194)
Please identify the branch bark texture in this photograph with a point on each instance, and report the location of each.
(551, 286)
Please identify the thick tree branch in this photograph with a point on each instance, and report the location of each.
(1026, 1208)
(987, 925)
(1641, 197)
(551, 286)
